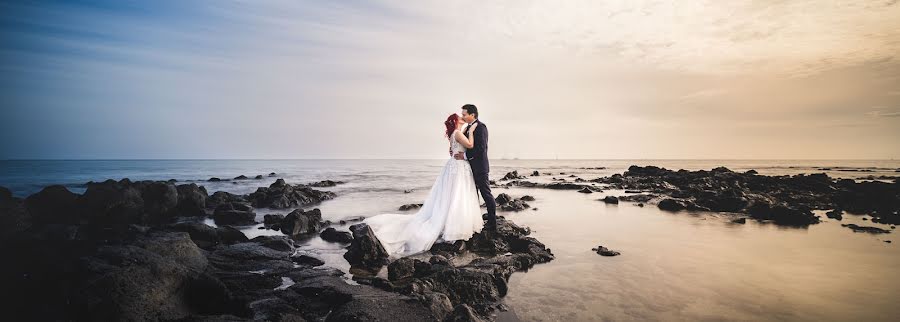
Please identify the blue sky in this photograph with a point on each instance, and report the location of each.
(375, 79)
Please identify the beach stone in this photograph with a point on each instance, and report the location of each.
(333, 235)
(603, 251)
(300, 222)
(191, 200)
(53, 204)
(365, 251)
(234, 213)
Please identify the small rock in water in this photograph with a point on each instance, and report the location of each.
(585, 190)
(410, 206)
(834, 214)
(535, 173)
(866, 229)
(407, 191)
(887, 241)
(603, 251)
(864, 218)
(272, 174)
(740, 221)
(611, 200)
(258, 176)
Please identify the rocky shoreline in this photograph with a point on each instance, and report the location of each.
(782, 200)
(128, 250)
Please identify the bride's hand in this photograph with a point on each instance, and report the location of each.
(472, 128)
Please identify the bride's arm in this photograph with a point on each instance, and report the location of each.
(462, 139)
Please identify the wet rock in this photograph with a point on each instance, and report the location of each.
(234, 213)
(222, 197)
(351, 219)
(53, 204)
(191, 200)
(307, 260)
(402, 268)
(603, 251)
(241, 177)
(611, 200)
(333, 235)
(512, 176)
(535, 173)
(866, 229)
(273, 221)
(14, 218)
(527, 198)
(637, 198)
(272, 174)
(410, 206)
(204, 236)
(281, 195)
(279, 243)
(300, 222)
(507, 203)
(585, 190)
(671, 205)
(258, 177)
(463, 313)
(782, 214)
(740, 221)
(214, 179)
(325, 183)
(365, 251)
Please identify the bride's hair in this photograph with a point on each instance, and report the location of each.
(450, 123)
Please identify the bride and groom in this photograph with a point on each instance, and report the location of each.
(452, 211)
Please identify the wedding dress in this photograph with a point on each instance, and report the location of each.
(451, 212)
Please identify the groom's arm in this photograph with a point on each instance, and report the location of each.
(481, 136)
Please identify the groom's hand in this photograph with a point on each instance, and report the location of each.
(460, 156)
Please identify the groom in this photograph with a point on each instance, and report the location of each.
(478, 159)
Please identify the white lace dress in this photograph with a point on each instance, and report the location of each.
(450, 213)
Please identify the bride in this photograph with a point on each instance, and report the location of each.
(451, 211)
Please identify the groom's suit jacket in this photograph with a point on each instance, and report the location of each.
(478, 154)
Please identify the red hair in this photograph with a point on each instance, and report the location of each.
(450, 123)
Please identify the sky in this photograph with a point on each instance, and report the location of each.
(376, 79)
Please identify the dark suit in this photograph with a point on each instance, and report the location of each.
(478, 160)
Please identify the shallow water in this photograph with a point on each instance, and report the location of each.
(674, 266)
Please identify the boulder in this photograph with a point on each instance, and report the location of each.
(333, 235)
(53, 204)
(611, 200)
(603, 251)
(300, 222)
(191, 200)
(365, 251)
(410, 206)
(281, 195)
(234, 213)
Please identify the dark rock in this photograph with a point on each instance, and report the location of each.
(281, 195)
(527, 198)
(53, 204)
(222, 197)
(603, 251)
(402, 268)
(214, 179)
(351, 219)
(410, 206)
(751, 172)
(14, 218)
(503, 198)
(300, 222)
(740, 221)
(333, 235)
(585, 190)
(191, 200)
(203, 235)
(326, 183)
(241, 177)
(234, 213)
(279, 243)
(258, 177)
(671, 205)
(272, 174)
(535, 173)
(866, 229)
(463, 313)
(273, 220)
(365, 251)
(611, 200)
(307, 260)
(512, 176)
